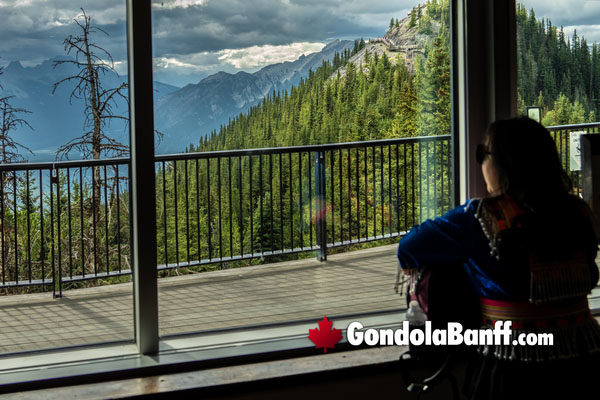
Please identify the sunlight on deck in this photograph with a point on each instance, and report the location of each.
(347, 284)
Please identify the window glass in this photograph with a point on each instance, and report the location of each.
(559, 72)
(238, 83)
(64, 223)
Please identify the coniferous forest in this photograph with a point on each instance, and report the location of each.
(383, 100)
(559, 73)
(359, 96)
(343, 101)
(379, 97)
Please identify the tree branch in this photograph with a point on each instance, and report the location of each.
(93, 62)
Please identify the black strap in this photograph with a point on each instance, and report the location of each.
(410, 361)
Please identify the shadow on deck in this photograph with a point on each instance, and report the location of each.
(347, 284)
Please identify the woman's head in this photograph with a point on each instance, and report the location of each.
(523, 162)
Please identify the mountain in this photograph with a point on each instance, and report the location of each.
(394, 86)
(56, 118)
(405, 39)
(184, 116)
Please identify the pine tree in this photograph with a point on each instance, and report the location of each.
(11, 118)
(413, 18)
(562, 112)
(408, 113)
(434, 89)
(552, 63)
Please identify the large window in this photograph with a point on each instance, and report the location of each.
(559, 72)
(283, 132)
(224, 84)
(306, 129)
(348, 115)
(64, 219)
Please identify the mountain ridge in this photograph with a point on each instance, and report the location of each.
(401, 39)
(193, 110)
(55, 117)
(197, 109)
(183, 114)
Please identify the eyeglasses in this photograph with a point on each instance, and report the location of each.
(480, 153)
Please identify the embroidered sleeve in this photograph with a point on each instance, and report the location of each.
(551, 279)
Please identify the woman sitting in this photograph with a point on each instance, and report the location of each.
(529, 252)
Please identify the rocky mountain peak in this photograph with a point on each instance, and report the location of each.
(194, 111)
(14, 66)
(401, 40)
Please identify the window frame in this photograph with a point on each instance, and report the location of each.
(480, 35)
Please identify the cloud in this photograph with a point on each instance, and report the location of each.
(43, 15)
(591, 33)
(34, 30)
(571, 12)
(177, 3)
(189, 68)
(217, 25)
(199, 62)
(202, 36)
(166, 63)
(257, 56)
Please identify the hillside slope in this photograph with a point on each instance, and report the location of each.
(194, 111)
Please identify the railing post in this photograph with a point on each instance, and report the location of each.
(590, 169)
(320, 206)
(54, 180)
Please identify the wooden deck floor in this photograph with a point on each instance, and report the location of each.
(347, 284)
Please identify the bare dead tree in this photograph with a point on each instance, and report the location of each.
(10, 119)
(92, 63)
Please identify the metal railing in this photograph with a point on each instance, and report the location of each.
(67, 222)
(560, 134)
(236, 205)
(63, 222)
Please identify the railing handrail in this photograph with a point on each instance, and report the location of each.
(245, 152)
(220, 153)
(234, 205)
(298, 149)
(49, 165)
(573, 126)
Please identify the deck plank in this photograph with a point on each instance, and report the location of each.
(347, 284)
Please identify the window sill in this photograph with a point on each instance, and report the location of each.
(227, 378)
(179, 354)
(271, 352)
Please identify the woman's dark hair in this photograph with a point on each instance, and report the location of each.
(527, 162)
(530, 172)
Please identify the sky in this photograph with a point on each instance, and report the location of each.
(196, 38)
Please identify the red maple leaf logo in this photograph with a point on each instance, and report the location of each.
(325, 336)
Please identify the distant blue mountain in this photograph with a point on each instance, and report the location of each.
(182, 114)
(185, 115)
(57, 118)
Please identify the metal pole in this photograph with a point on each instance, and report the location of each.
(142, 180)
(321, 198)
